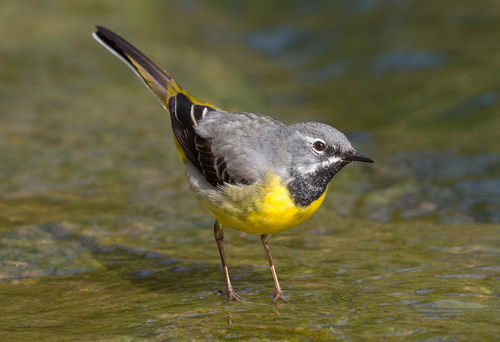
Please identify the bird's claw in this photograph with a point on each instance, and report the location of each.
(279, 295)
(232, 296)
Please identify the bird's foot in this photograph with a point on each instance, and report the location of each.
(279, 295)
(232, 296)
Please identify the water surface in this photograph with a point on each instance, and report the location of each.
(101, 239)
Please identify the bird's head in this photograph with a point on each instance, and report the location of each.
(317, 153)
(316, 147)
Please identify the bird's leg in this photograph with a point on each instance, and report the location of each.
(278, 294)
(219, 237)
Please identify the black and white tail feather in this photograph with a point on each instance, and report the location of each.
(185, 110)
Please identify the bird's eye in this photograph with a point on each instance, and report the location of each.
(319, 146)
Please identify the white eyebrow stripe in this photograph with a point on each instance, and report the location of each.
(313, 140)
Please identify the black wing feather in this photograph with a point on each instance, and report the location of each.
(198, 150)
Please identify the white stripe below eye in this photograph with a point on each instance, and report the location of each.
(306, 169)
(332, 160)
(311, 168)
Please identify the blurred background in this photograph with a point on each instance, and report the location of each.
(101, 238)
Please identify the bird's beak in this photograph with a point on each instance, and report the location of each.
(356, 156)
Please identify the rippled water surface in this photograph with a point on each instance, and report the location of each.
(101, 239)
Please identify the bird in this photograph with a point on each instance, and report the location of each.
(251, 172)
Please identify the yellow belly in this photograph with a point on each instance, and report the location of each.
(262, 208)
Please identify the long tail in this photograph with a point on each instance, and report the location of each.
(156, 79)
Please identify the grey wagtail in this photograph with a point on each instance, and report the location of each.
(250, 172)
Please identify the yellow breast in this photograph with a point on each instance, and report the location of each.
(262, 208)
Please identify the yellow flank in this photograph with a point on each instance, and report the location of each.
(263, 208)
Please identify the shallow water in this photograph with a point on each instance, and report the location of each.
(101, 239)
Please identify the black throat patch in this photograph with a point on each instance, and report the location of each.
(305, 189)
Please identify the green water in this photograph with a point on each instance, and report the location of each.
(101, 239)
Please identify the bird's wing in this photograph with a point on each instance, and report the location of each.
(185, 112)
(220, 163)
(249, 142)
